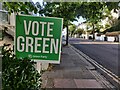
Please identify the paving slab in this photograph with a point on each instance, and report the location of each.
(87, 83)
(78, 75)
(54, 74)
(64, 83)
(50, 83)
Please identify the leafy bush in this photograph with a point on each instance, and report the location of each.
(18, 74)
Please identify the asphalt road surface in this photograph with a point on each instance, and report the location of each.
(105, 53)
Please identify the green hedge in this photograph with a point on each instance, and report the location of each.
(18, 74)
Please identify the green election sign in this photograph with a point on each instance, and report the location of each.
(38, 38)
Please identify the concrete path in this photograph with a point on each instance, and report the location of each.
(73, 72)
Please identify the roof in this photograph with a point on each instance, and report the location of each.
(115, 33)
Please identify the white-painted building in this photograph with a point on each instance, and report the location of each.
(100, 37)
(113, 36)
(7, 21)
(64, 33)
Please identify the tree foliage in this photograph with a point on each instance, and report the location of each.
(114, 28)
(93, 12)
(79, 31)
(72, 29)
(17, 7)
(65, 10)
(18, 74)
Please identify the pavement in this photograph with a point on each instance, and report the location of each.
(75, 72)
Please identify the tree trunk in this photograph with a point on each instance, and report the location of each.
(71, 34)
(67, 36)
(93, 32)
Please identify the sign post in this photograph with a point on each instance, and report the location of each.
(38, 38)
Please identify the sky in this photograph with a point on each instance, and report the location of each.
(37, 1)
(80, 20)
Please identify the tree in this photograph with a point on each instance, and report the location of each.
(114, 28)
(72, 29)
(17, 7)
(93, 11)
(79, 31)
(98, 27)
(65, 10)
(111, 20)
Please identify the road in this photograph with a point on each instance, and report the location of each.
(105, 53)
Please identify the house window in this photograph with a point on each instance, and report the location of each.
(3, 17)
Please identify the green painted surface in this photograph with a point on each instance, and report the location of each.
(38, 38)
